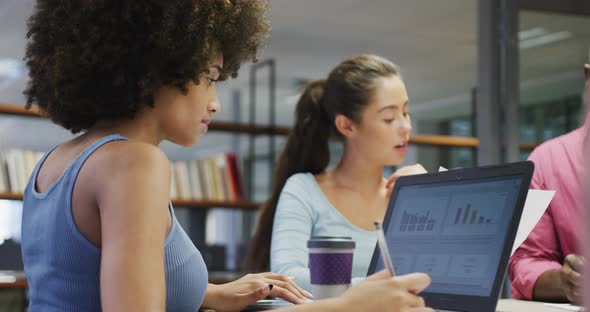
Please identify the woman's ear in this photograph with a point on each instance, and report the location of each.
(344, 125)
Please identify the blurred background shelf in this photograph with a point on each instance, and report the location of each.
(185, 203)
(224, 126)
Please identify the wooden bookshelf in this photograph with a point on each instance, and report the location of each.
(19, 110)
(11, 196)
(528, 146)
(224, 126)
(443, 140)
(186, 203)
(190, 203)
(19, 283)
(456, 141)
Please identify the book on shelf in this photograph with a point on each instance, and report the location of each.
(16, 167)
(195, 179)
(234, 176)
(4, 184)
(173, 186)
(217, 184)
(206, 177)
(214, 178)
(181, 176)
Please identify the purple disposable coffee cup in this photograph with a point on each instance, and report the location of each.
(330, 265)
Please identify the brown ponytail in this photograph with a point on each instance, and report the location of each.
(347, 91)
(306, 151)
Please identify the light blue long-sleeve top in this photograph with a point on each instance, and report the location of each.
(304, 211)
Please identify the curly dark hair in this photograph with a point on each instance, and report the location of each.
(92, 60)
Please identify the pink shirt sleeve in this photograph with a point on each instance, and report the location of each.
(539, 253)
(586, 196)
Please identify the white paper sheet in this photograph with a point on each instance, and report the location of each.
(535, 205)
(564, 306)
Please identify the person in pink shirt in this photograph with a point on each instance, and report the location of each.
(587, 196)
(547, 266)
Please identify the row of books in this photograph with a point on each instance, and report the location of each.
(16, 166)
(214, 178)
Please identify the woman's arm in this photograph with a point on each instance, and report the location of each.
(378, 292)
(291, 229)
(132, 194)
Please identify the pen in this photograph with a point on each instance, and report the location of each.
(384, 250)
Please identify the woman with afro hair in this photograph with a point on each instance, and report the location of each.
(99, 232)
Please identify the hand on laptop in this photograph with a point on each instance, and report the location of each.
(403, 171)
(236, 295)
(571, 277)
(381, 292)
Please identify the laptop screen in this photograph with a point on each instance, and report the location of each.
(453, 231)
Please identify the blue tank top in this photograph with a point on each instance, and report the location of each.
(63, 267)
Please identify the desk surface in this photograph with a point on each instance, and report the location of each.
(504, 305)
(510, 305)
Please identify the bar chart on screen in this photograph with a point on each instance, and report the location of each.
(476, 214)
(417, 222)
(420, 217)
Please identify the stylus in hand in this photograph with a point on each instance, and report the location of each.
(383, 249)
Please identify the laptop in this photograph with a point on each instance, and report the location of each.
(457, 226)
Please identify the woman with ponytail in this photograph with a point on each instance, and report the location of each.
(364, 102)
(98, 230)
